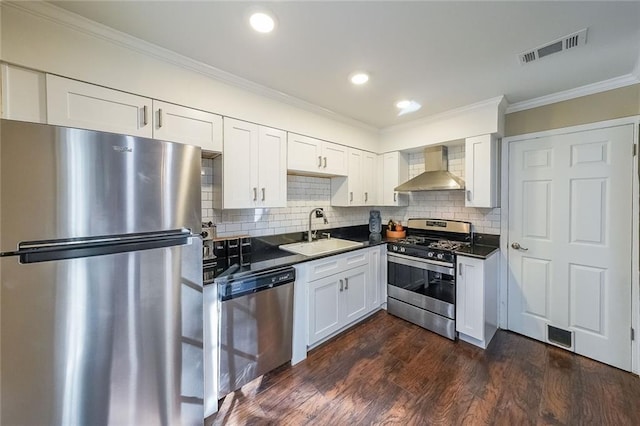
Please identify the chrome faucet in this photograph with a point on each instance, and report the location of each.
(309, 232)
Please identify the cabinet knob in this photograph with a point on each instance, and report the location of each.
(159, 117)
(145, 120)
(255, 194)
(395, 197)
(346, 283)
(325, 162)
(468, 195)
(341, 285)
(366, 196)
(263, 196)
(319, 160)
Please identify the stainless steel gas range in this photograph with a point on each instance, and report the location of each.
(421, 281)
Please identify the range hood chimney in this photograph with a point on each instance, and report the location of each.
(436, 176)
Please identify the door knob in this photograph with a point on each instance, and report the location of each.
(517, 246)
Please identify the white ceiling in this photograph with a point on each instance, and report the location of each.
(444, 55)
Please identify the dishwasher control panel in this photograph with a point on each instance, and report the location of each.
(253, 283)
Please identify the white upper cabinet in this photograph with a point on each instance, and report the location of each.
(394, 170)
(369, 183)
(481, 171)
(177, 123)
(359, 188)
(314, 157)
(24, 95)
(254, 172)
(76, 104)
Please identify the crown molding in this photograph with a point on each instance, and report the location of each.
(76, 22)
(589, 89)
(497, 102)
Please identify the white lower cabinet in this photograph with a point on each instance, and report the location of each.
(477, 299)
(334, 293)
(337, 300)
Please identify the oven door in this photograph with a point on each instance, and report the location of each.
(426, 284)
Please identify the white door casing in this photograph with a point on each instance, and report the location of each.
(570, 209)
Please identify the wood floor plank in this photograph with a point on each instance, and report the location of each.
(386, 371)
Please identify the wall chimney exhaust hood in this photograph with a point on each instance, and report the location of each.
(436, 176)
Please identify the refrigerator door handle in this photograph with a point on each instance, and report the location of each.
(45, 251)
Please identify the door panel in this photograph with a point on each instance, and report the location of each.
(84, 183)
(240, 152)
(272, 168)
(570, 210)
(355, 293)
(324, 308)
(103, 339)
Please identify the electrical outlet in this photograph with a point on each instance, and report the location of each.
(320, 213)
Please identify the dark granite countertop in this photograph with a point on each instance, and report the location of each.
(265, 253)
(476, 250)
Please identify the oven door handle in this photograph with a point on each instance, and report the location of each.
(431, 265)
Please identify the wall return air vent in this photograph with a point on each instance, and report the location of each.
(567, 42)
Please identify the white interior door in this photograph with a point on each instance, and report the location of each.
(570, 211)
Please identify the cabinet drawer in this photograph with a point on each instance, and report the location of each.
(325, 267)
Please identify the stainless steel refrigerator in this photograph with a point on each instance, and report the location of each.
(101, 279)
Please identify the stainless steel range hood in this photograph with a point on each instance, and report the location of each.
(436, 176)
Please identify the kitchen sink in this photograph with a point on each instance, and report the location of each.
(319, 247)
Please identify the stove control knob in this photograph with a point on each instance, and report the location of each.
(394, 248)
(430, 254)
(402, 249)
(440, 256)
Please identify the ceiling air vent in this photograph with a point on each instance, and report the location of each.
(568, 42)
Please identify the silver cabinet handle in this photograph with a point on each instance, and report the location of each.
(263, 190)
(325, 162)
(468, 195)
(351, 196)
(517, 246)
(144, 115)
(159, 117)
(366, 197)
(460, 269)
(255, 194)
(395, 197)
(341, 283)
(346, 283)
(319, 160)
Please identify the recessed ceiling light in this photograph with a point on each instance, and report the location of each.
(359, 78)
(407, 106)
(262, 22)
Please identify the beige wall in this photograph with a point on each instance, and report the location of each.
(617, 103)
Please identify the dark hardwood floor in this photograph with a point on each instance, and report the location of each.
(388, 371)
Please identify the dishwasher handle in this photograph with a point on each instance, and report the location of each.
(255, 282)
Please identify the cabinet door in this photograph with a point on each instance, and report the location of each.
(176, 123)
(374, 295)
(356, 285)
(368, 179)
(240, 161)
(76, 104)
(354, 180)
(324, 308)
(304, 154)
(272, 168)
(395, 171)
(481, 171)
(334, 159)
(23, 94)
(470, 297)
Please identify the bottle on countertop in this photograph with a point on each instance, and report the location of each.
(375, 222)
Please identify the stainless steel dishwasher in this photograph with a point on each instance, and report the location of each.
(256, 323)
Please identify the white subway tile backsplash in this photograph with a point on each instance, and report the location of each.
(306, 192)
